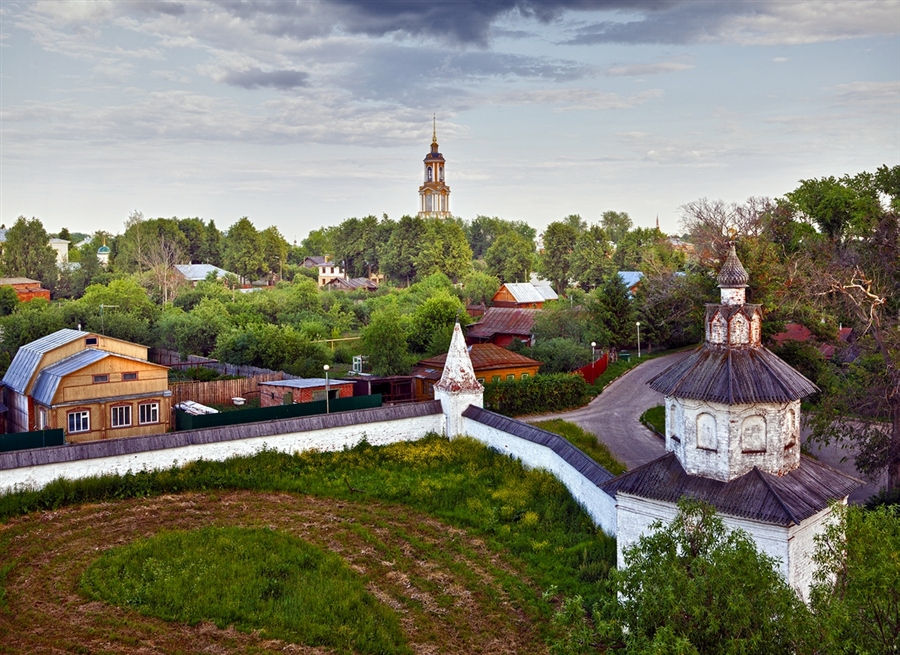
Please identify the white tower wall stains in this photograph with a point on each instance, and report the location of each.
(458, 387)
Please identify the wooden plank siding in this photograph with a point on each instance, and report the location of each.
(220, 392)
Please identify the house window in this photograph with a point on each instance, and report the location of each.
(101, 378)
(511, 376)
(495, 378)
(127, 377)
(525, 376)
(481, 380)
(79, 421)
(90, 341)
(42, 419)
(149, 413)
(121, 416)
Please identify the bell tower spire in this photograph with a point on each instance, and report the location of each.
(434, 194)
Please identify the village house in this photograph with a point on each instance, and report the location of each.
(500, 325)
(195, 273)
(350, 284)
(523, 295)
(491, 364)
(26, 289)
(92, 386)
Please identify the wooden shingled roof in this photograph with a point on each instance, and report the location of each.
(572, 455)
(484, 356)
(504, 320)
(781, 500)
(733, 376)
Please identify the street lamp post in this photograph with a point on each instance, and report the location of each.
(594, 352)
(327, 404)
(639, 338)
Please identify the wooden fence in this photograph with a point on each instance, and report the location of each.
(173, 359)
(220, 392)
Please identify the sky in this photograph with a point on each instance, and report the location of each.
(300, 114)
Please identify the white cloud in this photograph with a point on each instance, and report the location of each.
(575, 99)
(646, 69)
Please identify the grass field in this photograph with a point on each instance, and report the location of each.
(456, 541)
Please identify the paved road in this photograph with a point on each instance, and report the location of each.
(614, 417)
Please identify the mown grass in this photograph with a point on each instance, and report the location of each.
(656, 417)
(584, 441)
(526, 513)
(255, 579)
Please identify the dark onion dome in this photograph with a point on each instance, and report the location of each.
(734, 377)
(733, 273)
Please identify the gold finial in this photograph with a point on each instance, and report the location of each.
(434, 128)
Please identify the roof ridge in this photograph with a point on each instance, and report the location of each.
(776, 495)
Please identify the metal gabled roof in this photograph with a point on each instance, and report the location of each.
(524, 292)
(29, 356)
(504, 320)
(198, 272)
(733, 376)
(49, 378)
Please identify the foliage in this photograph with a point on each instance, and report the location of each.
(384, 341)
(559, 355)
(9, 301)
(647, 250)
(121, 296)
(434, 316)
(33, 320)
(554, 263)
(591, 260)
(243, 251)
(397, 257)
(536, 395)
(27, 252)
(693, 586)
(616, 225)
(480, 288)
(564, 319)
(856, 595)
(511, 257)
(483, 232)
(276, 347)
(256, 579)
(611, 306)
(672, 308)
(586, 442)
(656, 418)
(444, 250)
(355, 245)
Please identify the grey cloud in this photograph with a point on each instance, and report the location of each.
(160, 6)
(254, 78)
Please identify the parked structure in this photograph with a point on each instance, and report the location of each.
(303, 390)
(26, 289)
(523, 295)
(92, 386)
(491, 364)
(501, 325)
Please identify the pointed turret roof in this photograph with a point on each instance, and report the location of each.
(733, 273)
(458, 373)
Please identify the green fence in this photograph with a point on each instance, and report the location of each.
(185, 421)
(25, 440)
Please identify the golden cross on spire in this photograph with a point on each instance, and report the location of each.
(434, 128)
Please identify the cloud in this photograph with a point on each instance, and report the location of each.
(254, 78)
(576, 99)
(637, 70)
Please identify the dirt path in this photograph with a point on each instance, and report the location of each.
(443, 583)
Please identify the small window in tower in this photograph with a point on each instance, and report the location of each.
(441, 173)
(428, 173)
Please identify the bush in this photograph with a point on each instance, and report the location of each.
(537, 395)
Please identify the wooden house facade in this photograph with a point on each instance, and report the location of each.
(92, 386)
(491, 364)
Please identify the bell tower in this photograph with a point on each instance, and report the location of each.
(434, 194)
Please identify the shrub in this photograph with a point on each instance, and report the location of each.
(537, 395)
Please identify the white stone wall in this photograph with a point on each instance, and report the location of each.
(635, 515)
(599, 505)
(723, 442)
(454, 403)
(331, 439)
(802, 546)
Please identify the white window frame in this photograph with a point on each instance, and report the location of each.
(80, 420)
(42, 419)
(120, 416)
(148, 413)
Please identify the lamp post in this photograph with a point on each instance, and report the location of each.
(327, 405)
(594, 352)
(102, 327)
(639, 338)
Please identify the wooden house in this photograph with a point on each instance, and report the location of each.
(491, 364)
(500, 325)
(523, 295)
(92, 386)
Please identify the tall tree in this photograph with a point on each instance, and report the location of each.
(444, 250)
(616, 224)
(398, 256)
(27, 252)
(511, 257)
(555, 260)
(384, 342)
(211, 252)
(243, 251)
(611, 306)
(194, 231)
(483, 231)
(129, 249)
(275, 248)
(591, 260)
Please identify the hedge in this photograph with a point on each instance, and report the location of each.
(536, 395)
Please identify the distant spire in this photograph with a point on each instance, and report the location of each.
(434, 128)
(657, 221)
